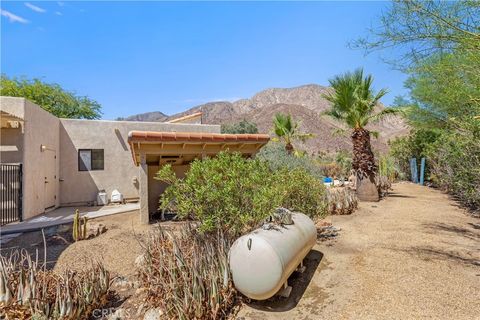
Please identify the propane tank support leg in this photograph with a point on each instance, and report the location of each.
(286, 290)
(301, 268)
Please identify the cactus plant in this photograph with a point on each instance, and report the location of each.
(79, 229)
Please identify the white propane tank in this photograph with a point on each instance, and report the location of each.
(262, 260)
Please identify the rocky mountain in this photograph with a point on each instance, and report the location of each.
(306, 105)
(147, 116)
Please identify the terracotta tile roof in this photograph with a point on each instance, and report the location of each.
(152, 136)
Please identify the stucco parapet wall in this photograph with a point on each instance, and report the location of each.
(163, 126)
(14, 106)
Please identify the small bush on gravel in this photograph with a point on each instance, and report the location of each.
(186, 274)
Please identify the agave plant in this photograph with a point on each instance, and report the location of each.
(341, 200)
(187, 274)
(27, 288)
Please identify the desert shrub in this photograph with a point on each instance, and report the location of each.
(415, 145)
(235, 194)
(187, 275)
(341, 200)
(330, 169)
(226, 192)
(243, 126)
(337, 164)
(388, 172)
(302, 192)
(276, 156)
(455, 164)
(28, 290)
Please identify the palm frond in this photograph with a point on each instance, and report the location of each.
(385, 112)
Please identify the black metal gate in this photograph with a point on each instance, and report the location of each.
(11, 187)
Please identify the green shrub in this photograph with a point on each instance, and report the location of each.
(415, 145)
(235, 194)
(277, 157)
(337, 165)
(243, 126)
(302, 192)
(455, 162)
(226, 192)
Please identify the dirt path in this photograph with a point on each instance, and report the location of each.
(414, 255)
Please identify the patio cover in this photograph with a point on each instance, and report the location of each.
(182, 147)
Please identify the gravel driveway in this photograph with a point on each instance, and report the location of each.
(414, 255)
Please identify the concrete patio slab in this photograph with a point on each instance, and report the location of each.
(64, 215)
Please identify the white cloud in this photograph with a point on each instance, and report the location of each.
(58, 13)
(60, 3)
(34, 8)
(12, 17)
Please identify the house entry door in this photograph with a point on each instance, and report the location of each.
(49, 167)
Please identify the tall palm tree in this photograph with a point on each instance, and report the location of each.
(286, 129)
(354, 103)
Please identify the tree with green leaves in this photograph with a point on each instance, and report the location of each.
(437, 43)
(354, 103)
(286, 129)
(241, 127)
(51, 97)
(420, 29)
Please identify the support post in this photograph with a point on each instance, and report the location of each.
(143, 190)
(414, 170)
(422, 171)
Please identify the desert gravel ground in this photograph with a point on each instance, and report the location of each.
(414, 255)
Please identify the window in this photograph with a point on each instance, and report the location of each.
(90, 159)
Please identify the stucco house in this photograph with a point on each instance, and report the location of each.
(66, 162)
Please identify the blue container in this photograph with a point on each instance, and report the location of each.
(328, 179)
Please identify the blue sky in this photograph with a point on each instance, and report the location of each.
(135, 57)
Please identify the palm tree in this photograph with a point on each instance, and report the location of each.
(287, 130)
(354, 103)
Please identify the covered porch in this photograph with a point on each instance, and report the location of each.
(150, 150)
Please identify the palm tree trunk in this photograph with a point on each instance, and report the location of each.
(364, 165)
(289, 148)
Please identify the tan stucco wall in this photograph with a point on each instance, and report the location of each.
(41, 128)
(119, 170)
(11, 145)
(65, 137)
(156, 188)
(11, 139)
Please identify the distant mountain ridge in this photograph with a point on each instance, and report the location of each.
(306, 105)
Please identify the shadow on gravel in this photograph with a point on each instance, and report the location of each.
(299, 283)
(398, 195)
(428, 254)
(464, 232)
